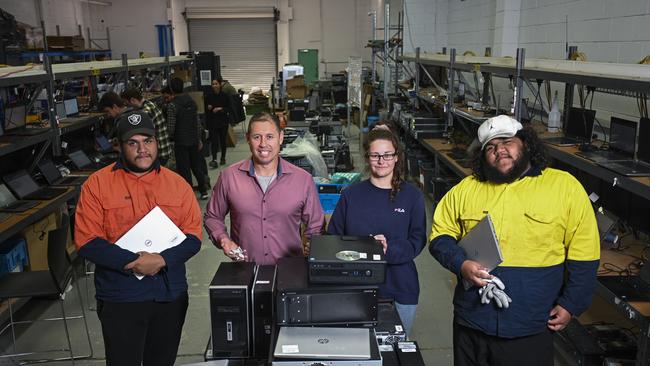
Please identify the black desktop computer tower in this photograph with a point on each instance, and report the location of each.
(262, 309)
(230, 311)
(300, 303)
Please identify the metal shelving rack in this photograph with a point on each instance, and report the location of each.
(618, 79)
(47, 74)
(387, 51)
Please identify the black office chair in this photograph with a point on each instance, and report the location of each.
(51, 284)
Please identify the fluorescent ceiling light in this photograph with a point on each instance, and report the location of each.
(97, 2)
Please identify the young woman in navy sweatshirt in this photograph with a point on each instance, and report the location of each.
(392, 211)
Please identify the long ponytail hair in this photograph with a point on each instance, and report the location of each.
(398, 169)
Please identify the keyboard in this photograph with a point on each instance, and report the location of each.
(46, 193)
(19, 206)
(71, 180)
(630, 288)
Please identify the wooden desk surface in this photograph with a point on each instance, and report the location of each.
(440, 147)
(18, 221)
(572, 150)
(622, 258)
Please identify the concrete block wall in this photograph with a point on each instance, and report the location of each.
(470, 25)
(605, 30)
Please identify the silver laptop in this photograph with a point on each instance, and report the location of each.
(481, 245)
(323, 343)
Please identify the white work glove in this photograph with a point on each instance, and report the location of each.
(494, 290)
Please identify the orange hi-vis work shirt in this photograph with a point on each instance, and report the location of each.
(113, 200)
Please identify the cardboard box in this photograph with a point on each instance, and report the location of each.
(298, 80)
(297, 92)
(78, 43)
(231, 139)
(197, 97)
(36, 236)
(183, 75)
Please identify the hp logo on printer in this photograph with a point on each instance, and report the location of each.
(323, 341)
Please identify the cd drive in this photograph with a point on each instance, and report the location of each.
(338, 259)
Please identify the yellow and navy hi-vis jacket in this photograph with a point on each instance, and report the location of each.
(546, 225)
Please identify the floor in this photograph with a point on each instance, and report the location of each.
(432, 329)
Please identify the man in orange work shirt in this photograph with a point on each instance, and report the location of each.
(141, 319)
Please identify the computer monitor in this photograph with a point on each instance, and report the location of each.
(103, 143)
(71, 107)
(622, 135)
(643, 150)
(581, 123)
(60, 110)
(15, 117)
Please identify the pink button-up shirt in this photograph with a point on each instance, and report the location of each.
(266, 225)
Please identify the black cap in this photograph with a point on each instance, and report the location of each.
(134, 122)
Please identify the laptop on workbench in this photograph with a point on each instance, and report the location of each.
(578, 130)
(639, 167)
(24, 186)
(9, 203)
(622, 137)
(54, 178)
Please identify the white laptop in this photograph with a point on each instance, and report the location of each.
(323, 343)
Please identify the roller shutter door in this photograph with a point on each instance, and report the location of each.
(246, 47)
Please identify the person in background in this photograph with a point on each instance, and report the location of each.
(218, 111)
(113, 105)
(141, 319)
(133, 98)
(186, 130)
(392, 211)
(547, 233)
(268, 199)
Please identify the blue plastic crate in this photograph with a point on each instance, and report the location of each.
(346, 178)
(329, 201)
(13, 254)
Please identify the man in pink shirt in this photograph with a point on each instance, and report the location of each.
(267, 198)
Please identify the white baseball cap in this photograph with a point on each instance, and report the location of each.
(497, 127)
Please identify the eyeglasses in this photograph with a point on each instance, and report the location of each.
(385, 156)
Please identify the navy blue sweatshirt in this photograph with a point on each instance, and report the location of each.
(367, 210)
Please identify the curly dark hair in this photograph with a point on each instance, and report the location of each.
(398, 170)
(535, 150)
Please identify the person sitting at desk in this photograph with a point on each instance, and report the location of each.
(392, 211)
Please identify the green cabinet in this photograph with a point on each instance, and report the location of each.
(308, 58)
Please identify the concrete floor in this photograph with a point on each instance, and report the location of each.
(432, 328)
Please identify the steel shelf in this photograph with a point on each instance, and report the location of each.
(69, 125)
(9, 144)
(630, 184)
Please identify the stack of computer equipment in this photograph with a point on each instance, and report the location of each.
(327, 304)
(241, 311)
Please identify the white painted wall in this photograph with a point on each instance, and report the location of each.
(337, 28)
(179, 25)
(133, 26)
(25, 11)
